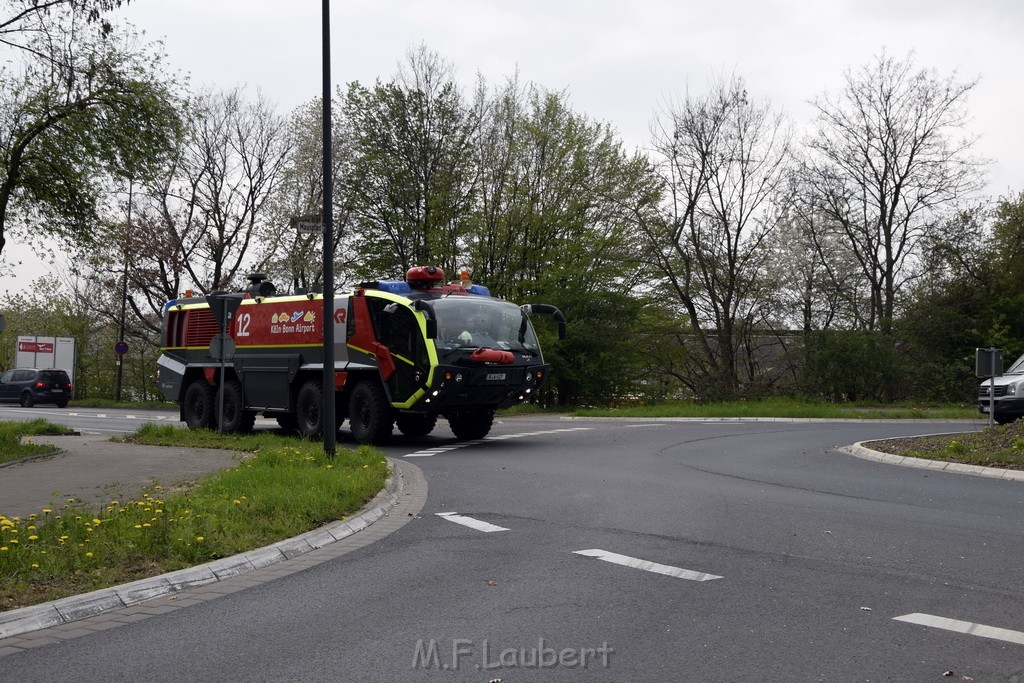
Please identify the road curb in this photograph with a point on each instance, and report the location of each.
(65, 610)
(858, 450)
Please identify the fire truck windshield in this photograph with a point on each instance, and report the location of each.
(476, 322)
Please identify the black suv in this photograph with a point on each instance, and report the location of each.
(29, 386)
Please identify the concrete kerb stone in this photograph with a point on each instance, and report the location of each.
(66, 610)
(860, 451)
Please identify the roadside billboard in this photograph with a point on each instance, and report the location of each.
(46, 352)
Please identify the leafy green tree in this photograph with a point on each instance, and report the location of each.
(557, 202)
(79, 111)
(411, 181)
(21, 18)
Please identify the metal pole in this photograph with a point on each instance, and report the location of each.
(220, 385)
(330, 427)
(124, 296)
(992, 388)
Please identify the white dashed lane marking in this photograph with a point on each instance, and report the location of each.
(477, 524)
(654, 567)
(967, 627)
(427, 452)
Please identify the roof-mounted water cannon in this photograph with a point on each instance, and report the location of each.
(424, 277)
(259, 286)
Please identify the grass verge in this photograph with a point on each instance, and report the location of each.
(1000, 446)
(11, 433)
(788, 408)
(285, 488)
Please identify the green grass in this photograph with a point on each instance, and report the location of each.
(1000, 446)
(286, 487)
(787, 408)
(132, 405)
(11, 433)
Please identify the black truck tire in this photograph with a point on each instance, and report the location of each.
(236, 419)
(197, 408)
(309, 409)
(370, 416)
(469, 424)
(288, 423)
(416, 424)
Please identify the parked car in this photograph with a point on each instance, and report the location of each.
(29, 386)
(1008, 397)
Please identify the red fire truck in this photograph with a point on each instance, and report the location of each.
(406, 352)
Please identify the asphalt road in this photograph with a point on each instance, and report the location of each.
(711, 551)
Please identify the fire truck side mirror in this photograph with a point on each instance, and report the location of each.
(547, 309)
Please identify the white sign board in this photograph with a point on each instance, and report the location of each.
(46, 352)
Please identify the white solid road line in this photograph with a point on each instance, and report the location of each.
(963, 627)
(470, 522)
(427, 452)
(635, 563)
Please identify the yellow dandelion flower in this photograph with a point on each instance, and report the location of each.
(13, 541)
(147, 524)
(237, 502)
(365, 466)
(35, 566)
(97, 522)
(47, 511)
(158, 511)
(3, 549)
(31, 527)
(33, 538)
(330, 467)
(89, 554)
(200, 538)
(138, 526)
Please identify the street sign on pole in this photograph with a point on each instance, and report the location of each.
(121, 347)
(308, 225)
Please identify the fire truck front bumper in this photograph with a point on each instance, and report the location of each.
(496, 386)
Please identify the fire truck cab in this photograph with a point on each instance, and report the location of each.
(406, 352)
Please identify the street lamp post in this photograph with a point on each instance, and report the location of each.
(330, 426)
(124, 298)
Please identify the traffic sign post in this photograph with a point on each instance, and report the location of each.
(222, 348)
(121, 348)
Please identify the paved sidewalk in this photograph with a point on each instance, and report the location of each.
(95, 470)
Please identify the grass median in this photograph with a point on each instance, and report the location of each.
(12, 446)
(283, 487)
(1000, 446)
(788, 408)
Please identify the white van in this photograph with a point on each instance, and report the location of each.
(1009, 394)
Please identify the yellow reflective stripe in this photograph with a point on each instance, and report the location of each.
(412, 399)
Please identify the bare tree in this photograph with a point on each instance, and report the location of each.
(193, 226)
(723, 159)
(887, 161)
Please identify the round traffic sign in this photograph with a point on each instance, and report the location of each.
(121, 347)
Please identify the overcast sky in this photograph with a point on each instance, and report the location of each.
(619, 61)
